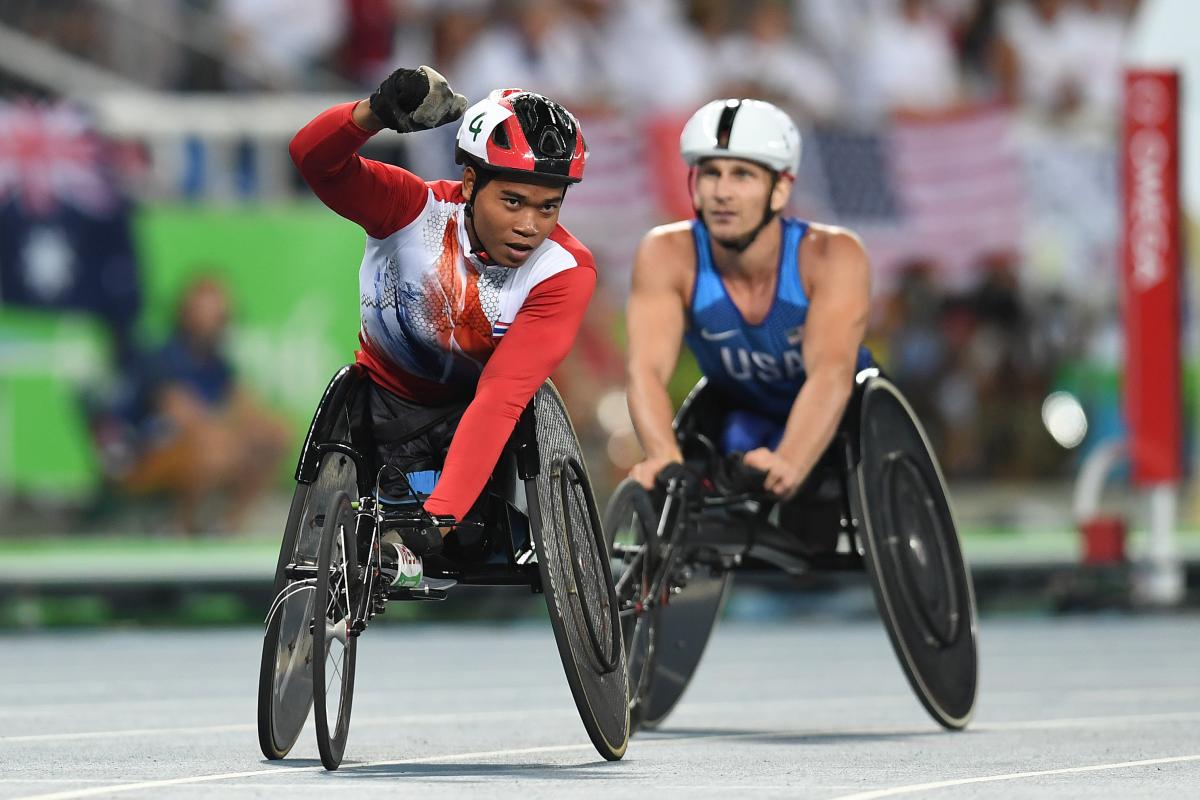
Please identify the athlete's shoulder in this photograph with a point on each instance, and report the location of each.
(568, 245)
(671, 243)
(830, 254)
(446, 191)
(832, 243)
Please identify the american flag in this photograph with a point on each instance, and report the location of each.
(49, 155)
(947, 189)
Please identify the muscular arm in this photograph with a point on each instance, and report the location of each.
(840, 293)
(382, 198)
(655, 322)
(538, 340)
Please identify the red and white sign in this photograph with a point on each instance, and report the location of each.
(1150, 271)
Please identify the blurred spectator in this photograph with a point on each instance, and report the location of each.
(539, 48)
(767, 61)
(280, 41)
(980, 50)
(976, 364)
(366, 49)
(907, 61)
(1065, 59)
(202, 433)
(646, 57)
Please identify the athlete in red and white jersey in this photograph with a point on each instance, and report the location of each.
(469, 290)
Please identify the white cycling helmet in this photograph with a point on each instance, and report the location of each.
(751, 129)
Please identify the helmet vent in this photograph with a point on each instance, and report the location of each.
(500, 137)
(725, 123)
(552, 145)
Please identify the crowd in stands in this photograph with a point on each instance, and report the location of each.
(977, 360)
(823, 59)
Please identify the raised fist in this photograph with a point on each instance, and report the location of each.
(416, 100)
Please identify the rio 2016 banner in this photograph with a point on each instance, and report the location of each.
(1150, 267)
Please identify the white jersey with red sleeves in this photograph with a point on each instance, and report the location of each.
(438, 325)
(430, 306)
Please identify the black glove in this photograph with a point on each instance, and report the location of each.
(416, 100)
(738, 477)
(694, 483)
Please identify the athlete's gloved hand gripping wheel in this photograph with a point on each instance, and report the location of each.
(416, 100)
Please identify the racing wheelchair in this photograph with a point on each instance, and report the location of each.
(539, 528)
(875, 501)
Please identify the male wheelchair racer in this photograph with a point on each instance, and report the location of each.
(539, 528)
(875, 500)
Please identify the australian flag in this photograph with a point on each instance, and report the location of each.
(66, 242)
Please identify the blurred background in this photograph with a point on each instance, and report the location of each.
(173, 300)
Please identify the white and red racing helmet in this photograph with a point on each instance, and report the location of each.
(520, 133)
(755, 130)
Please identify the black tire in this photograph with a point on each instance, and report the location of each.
(285, 669)
(629, 520)
(335, 600)
(679, 630)
(910, 543)
(577, 580)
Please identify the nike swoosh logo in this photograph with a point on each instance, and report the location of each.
(717, 337)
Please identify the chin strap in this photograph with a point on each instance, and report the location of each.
(481, 179)
(740, 245)
(482, 176)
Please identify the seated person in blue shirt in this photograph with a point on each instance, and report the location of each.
(201, 433)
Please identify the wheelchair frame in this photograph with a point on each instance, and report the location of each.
(724, 533)
(335, 431)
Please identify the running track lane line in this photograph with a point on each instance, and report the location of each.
(131, 787)
(200, 730)
(561, 748)
(1012, 776)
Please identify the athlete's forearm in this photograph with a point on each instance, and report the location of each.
(652, 413)
(365, 118)
(540, 337)
(382, 198)
(815, 417)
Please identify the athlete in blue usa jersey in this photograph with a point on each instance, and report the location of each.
(774, 308)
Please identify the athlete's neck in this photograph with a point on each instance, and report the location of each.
(476, 246)
(756, 263)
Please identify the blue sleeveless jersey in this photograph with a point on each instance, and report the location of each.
(757, 367)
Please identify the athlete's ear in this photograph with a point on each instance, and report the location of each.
(468, 182)
(694, 188)
(781, 193)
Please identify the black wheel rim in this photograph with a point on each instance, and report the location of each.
(285, 673)
(291, 689)
(917, 537)
(601, 697)
(921, 582)
(587, 553)
(333, 647)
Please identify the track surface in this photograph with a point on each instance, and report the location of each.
(1096, 707)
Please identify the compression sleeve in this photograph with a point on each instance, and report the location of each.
(382, 198)
(540, 337)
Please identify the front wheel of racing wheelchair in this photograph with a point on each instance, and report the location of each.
(876, 502)
(539, 529)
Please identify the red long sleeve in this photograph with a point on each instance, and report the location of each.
(382, 198)
(540, 338)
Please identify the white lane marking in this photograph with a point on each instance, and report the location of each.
(1012, 776)
(250, 726)
(1074, 722)
(1064, 722)
(648, 742)
(224, 776)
